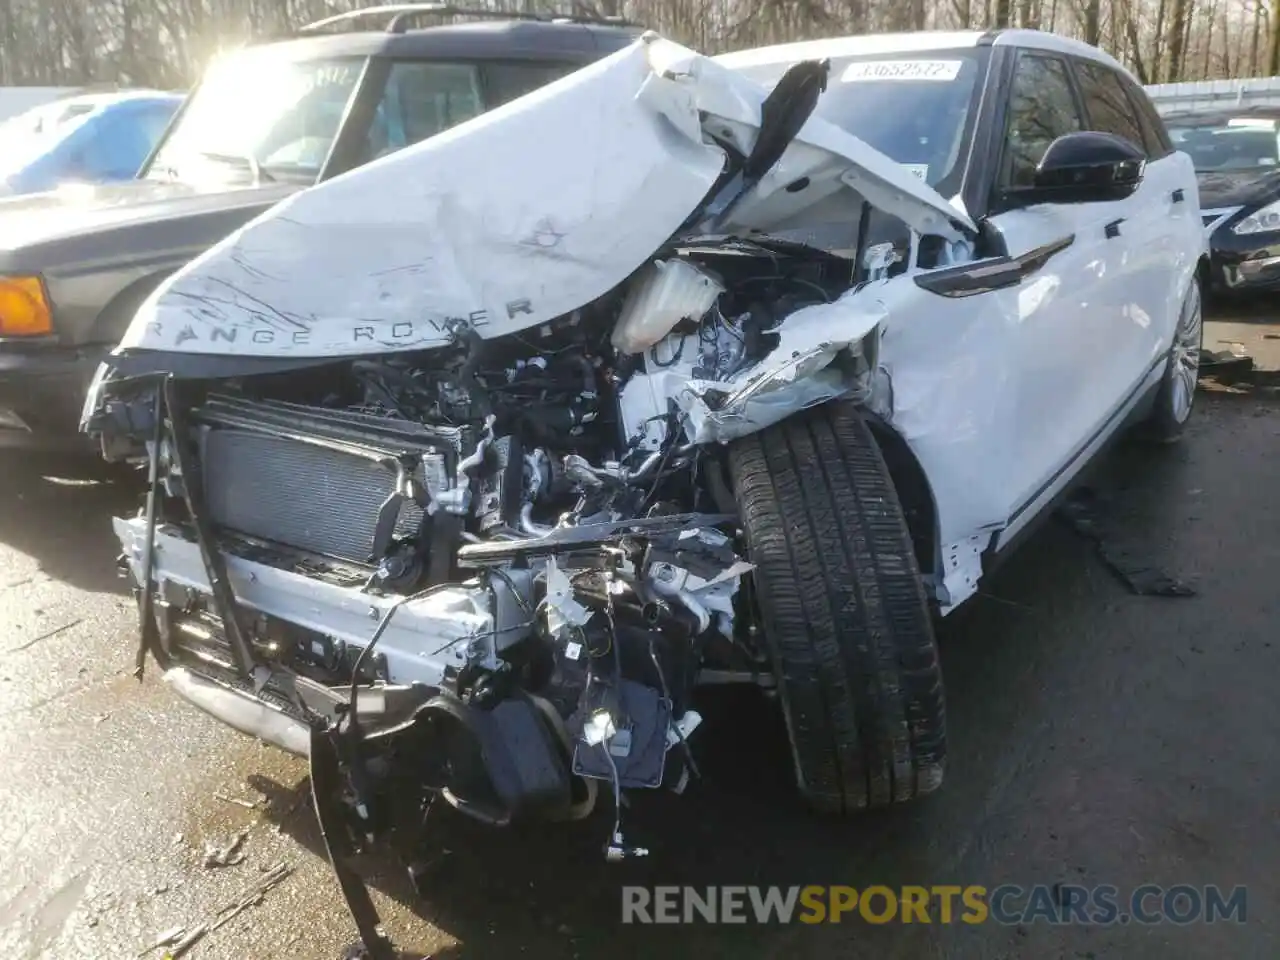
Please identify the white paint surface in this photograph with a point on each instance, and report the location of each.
(511, 219)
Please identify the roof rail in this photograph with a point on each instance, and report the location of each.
(402, 15)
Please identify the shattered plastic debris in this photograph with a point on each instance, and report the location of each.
(178, 940)
(166, 939)
(1084, 512)
(225, 856)
(247, 804)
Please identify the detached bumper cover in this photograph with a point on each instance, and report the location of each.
(241, 711)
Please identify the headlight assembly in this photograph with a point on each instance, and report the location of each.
(1266, 220)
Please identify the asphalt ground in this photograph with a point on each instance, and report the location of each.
(1097, 737)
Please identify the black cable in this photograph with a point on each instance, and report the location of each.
(354, 694)
(147, 605)
(657, 476)
(666, 695)
(621, 704)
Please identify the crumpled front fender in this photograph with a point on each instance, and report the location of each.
(825, 351)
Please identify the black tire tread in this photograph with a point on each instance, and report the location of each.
(844, 611)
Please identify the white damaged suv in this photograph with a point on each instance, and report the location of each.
(469, 466)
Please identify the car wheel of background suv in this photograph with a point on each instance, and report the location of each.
(843, 611)
(1177, 394)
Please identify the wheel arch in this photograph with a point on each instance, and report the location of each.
(113, 319)
(914, 491)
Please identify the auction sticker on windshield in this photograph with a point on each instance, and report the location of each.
(943, 70)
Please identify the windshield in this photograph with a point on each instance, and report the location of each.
(912, 109)
(258, 116)
(1239, 143)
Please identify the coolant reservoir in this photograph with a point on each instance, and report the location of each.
(663, 294)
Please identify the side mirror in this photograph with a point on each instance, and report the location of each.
(1089, 167)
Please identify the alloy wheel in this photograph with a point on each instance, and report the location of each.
(1186, 356)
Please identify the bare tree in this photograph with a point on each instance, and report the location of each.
(167, 43)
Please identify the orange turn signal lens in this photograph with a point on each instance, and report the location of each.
(24, 308)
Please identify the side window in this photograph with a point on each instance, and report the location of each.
(420, 100)
(1108, 106)
(1042, 108)
(113, 148)
(123, 141)
(507, 81)
(151, 125)
(1154, 132)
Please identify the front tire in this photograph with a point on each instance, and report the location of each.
(843, 611)
(1176, 396)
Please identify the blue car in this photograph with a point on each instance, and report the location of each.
(92, 138)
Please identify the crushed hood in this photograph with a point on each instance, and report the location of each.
(518, 216)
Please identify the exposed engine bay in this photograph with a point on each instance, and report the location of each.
(533, 513)
(491, 574)
(510, 560)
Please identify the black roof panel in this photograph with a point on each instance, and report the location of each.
(482, 40)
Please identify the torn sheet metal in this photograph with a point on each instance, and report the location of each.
(563, 611)
(514, 218)
(796, 374)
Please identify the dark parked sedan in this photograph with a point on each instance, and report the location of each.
(1237, 159)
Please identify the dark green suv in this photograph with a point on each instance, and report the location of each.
(265, 121)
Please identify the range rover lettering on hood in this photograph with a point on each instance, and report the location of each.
(531, 211)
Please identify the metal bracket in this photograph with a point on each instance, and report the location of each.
(215, 564)
(961, 571)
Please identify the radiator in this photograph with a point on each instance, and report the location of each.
(312, 479)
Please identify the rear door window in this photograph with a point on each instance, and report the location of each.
(1042, 107)
(1109, 107)
(1154, 132)
(421, 99)
(507, 81)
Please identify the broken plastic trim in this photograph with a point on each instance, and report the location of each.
(214, 564)
(147, 633)
(995, 273)
(783, 113)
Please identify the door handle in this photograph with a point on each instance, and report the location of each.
(1179, 195)
(991, 273)
(1113, 228)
